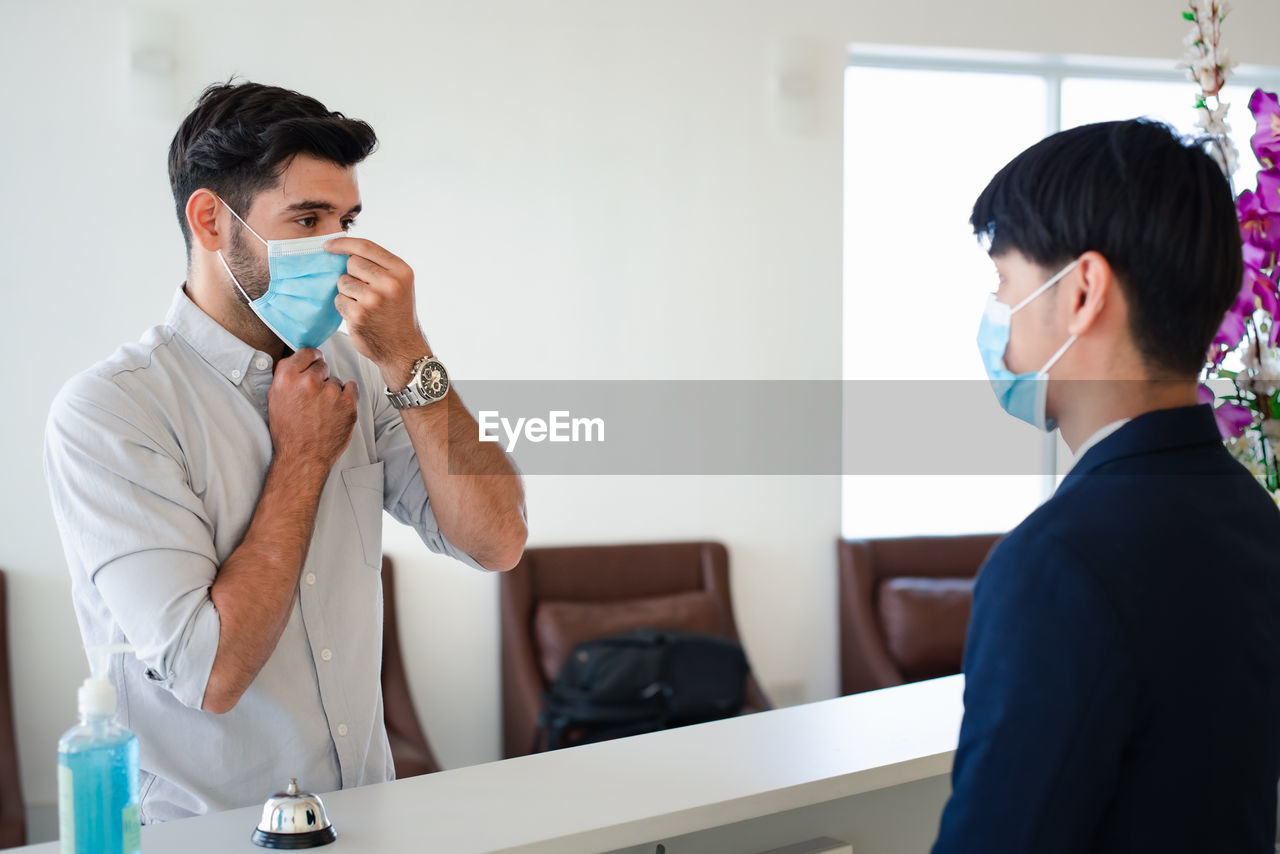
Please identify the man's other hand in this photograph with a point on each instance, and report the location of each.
(310, 414)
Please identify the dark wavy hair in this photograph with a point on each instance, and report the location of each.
(241, 136)
(1155, 205)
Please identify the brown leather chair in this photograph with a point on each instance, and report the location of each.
(557, 597)
(13, 822)
(904, 607)
(409, 747)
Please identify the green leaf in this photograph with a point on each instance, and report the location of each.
(1190, 16)
(1231, 375)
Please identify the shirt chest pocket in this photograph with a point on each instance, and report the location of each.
(364, 488)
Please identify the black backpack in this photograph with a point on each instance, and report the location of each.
(641, 681)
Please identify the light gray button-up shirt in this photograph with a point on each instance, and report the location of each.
(155, 459)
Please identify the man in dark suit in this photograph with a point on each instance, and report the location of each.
(1123, 661)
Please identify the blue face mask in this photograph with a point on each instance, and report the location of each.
(299, 303)
(1023, 396)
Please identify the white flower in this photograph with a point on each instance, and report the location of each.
(1269, 371)
(1208, 66)
(1243, 445)
(1266, 365)
(1260, 375)
(1207, 63)
(1213, 119)
(1248, 451)
(1207, 73)
(1226, 64)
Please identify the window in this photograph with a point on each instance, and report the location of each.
(924, 133)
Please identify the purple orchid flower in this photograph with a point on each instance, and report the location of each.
(1232, 418)
(1235, 322)
(1263, 287)
(1259, 227)
(1269, 189)
(1256, 256)
(1266, 141)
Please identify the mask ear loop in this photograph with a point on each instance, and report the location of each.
(1053, 360)
(1057, 277)
(1042, 376)
(236, 281)
(252, 302)
(224, 260)
(241, 220)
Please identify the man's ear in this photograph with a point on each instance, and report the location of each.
(1088, 290)
(202, 212)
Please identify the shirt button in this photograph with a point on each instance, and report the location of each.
(326, 654)
(311, 578)
(342, 729)
(235, 374)
(261, 363)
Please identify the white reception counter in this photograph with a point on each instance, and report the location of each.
(869, 769)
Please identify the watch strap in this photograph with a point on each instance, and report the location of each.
(407, 398)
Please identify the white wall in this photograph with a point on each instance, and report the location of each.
(586, 189)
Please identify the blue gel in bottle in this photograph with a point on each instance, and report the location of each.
(98, 776)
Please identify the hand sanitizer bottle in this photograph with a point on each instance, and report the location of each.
(98, 770)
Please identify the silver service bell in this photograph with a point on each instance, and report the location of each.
(292, 820)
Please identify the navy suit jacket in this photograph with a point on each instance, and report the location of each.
(1122, 666)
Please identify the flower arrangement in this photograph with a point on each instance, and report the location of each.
(1243, 356)
(1208, 64)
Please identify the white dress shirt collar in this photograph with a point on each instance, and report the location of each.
(1098, 437)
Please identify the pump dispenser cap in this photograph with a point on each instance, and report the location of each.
(97, 696)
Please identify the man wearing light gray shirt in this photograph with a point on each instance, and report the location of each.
(219, 485)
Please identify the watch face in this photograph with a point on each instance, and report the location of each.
(433, 382)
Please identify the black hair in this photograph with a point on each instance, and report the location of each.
(241, 136)
(1155, 205)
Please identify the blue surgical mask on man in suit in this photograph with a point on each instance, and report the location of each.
(299, 303)
(1024, 396)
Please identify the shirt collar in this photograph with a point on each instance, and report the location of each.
(220, 348)
(1152, 432)
(1100, 435)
